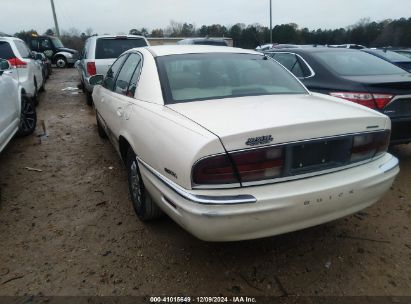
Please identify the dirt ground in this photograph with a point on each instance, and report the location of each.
(71, 230)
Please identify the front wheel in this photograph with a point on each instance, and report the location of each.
(28, 117)
(61, 62)
(143, 204)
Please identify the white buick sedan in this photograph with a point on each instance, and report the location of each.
(232, 146)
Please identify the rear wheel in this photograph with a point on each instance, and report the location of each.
(143, 204)
(35, 98)
(28, 117)
(100, 129)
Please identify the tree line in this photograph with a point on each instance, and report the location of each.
(366, 32)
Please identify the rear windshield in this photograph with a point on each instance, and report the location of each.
(112, 48)
(192, 77)
(391, 56)
(356, 63)
(5, 50)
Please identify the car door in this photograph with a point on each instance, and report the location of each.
(123, 92)
(9, 107)
(33, 66)
(103, 103)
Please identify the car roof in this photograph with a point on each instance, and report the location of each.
(116, 36)
(166, 50)
(10, 39)
(311, 49)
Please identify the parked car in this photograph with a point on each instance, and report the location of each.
(399, 60)
(348, 46)
(17, 111)
(232, 146)
(27, 71)
(203, 41)
(54, 50)
(264, 47)
(45, 64)
(355, 76)
(405, 52)
(99, 54)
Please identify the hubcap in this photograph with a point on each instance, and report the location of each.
(61, 63)
(28, 117)
(135, 183)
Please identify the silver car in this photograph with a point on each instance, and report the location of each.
(99, 54)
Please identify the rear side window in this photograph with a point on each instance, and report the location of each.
(292, 63)
(22, 48)
(112, 48)
(356, 63)
(5, 50)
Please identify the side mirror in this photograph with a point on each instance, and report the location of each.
(37, 56)
(4, 65)
(96, 79)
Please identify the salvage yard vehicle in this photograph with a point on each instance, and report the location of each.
(27, 71)
(231, 146)
(54, 50)
(355, 76)
(99, 54)
(399, 60)
(17, 111)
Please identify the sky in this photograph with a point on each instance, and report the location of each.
(119, 16)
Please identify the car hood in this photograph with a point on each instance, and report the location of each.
(71, 51)
(286, 118)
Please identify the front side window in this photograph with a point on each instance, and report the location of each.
(107, 48)
(192, 77)
(110, 78)
(45, 44)
(356, 63)
(125, 74)
(22, 48)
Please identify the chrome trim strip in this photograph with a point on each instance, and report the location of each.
(200, 199)
(390, 165)
(299, 56)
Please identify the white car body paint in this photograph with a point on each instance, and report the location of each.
(176, 136)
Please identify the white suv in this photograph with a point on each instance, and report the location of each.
(17, 111)
(99, 54)
(27, 71)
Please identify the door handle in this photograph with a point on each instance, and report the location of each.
(120, 111)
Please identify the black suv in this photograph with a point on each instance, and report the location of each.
(53, 49)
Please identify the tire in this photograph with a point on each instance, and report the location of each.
(28, 117)
(89, 98)
(144, 206)
(35, 98)
(61, 62)
(43, 86)
(100, 130)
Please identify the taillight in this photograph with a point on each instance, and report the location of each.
(366, 146)
(373, 101)
(91, 68)
(259, 164)
(214, 170)
(17, 63)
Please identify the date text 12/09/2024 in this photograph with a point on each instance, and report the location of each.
(236, 299)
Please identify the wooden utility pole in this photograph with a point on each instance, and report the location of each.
(56, 25)
(271, 21)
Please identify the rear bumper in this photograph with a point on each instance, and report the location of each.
(277, 208)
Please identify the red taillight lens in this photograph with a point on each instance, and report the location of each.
(373, 101)
(366, 146)
(91, 68)
(214, 170)
(259, 164)
(17, 63)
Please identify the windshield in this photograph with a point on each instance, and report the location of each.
(112, 48)
(391, 56)
(193, 77)
(57, 43)
(356, 63)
